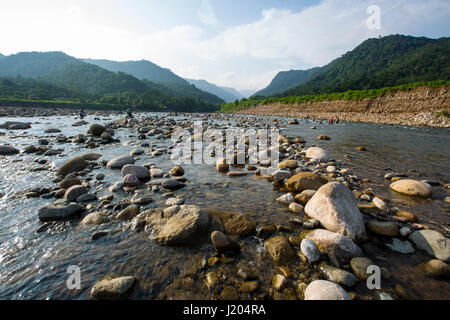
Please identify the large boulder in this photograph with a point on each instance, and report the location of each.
(15, 125)
(96, 130)
(305, 180)
(58, 211)
(316, 153)
(334, 243)
(434, 243)
(74, 164)
(113, 288)
(8, 150)
(412, 188)
(279, 249)
(142, 173)
(181, 225)
(325, 290)
(335, 206)
(120, 162)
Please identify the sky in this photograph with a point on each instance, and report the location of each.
(234, 43)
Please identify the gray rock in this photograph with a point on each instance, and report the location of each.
(142, 173)
(434, 243)
(74, 192)
(74, 164)
(113, 288)
(338, 276)
(58, 211)
(334, 243)
(8, 150)
(119, 162)
(310, 250)
(186, 225)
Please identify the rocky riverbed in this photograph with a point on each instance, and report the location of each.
(105, 196)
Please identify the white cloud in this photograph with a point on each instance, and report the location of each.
(206, 14)
(245, 56)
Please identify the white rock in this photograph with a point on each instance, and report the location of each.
(325, 290)
(335, 206)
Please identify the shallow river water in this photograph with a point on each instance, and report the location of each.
(34, 265)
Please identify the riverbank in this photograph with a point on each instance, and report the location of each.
(107, 196)
(420, 106)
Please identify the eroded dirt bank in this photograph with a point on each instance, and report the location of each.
(419, 107)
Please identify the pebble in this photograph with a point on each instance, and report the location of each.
(278, 282)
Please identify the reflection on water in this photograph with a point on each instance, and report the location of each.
(33, 265)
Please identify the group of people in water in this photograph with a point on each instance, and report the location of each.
(129, 114)
(332, 120)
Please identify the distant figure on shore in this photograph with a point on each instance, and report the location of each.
(331, 120)
(81, 114)
(337, 120)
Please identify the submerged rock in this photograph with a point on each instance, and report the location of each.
(383, 228)
(234, 224)
(412, 188)
(113, 288)
(185, 225)
(223, 243)
(437, 269)
(279, 249)
(335, 206)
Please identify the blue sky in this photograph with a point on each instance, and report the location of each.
(234, 43)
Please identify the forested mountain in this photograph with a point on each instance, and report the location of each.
(223, 93)
(61, 77)
(285, 80)
(146, 70)
(383, 62)
(142, 69)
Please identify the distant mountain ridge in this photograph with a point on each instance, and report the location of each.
(375, 63)
(285, 80)
(81, 81)
(142, 69)
(227, 94)
(150, 72)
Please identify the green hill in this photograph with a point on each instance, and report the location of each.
(383, 62)
(142, 69)
(285, 80)
(54, 71)
(150, 72)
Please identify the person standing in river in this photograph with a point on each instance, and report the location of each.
(128, 115)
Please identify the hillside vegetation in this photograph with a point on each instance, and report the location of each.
(55, 76)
